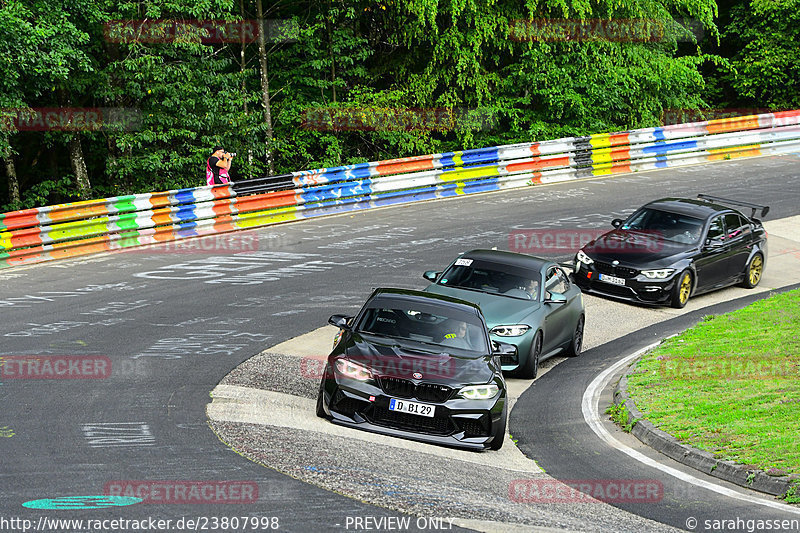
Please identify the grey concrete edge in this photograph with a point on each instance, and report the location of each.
(700, 460)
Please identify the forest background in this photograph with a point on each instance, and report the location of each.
(110, 97)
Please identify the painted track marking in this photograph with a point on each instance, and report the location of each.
(589, 407)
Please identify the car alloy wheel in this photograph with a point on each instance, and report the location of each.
(754, 270)
(575, 347)
(531, 367)
(682, 290)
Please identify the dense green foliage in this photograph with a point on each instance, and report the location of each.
(501, 79)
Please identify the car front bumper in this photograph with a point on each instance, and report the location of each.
(636, 289)
(456, 422)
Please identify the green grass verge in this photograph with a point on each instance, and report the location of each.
(731, 385)
(619, 415)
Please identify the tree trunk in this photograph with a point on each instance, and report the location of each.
(11, 174)
(262, 61)
(79, 167)
(330, 51)
(244, 94)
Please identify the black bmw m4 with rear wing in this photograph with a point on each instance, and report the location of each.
(674, 248)
(420, 366)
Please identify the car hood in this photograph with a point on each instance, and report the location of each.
(496, 309)
(388, 357)
(634, 248)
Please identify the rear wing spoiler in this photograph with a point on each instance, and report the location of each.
(755, 207)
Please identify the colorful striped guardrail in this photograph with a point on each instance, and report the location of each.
(79, 228)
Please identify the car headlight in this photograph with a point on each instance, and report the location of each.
(479, 392)
(353, 370)
(583, 258)
(661, 273)
(510, 331)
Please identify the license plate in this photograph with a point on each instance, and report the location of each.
(413, 408)
(612, 279)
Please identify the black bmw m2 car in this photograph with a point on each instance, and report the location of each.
(419, 366)
(674, 248)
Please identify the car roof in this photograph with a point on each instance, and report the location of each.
(507, 258)
(690, 206)
(420, 296)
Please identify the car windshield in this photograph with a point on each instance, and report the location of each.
(492, 278)
(665, 225)
(443, 327)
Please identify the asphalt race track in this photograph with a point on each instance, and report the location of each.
(173, 323)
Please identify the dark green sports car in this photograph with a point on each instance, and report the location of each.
(527, 301)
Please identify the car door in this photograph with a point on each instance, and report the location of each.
(557, 322)
(711, 264)
(738, 236)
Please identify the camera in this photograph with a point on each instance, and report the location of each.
(232, 154)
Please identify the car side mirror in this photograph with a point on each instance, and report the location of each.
(340, 321)
(617, 222)
(556, 298)
(503, 348)
(431, 275)
(713, 243)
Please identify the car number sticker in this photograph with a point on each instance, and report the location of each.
(463, 262)
(413, 408)
(612, 279)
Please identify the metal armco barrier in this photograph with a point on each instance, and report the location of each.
(66, 230)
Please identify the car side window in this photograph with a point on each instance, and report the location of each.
(734, 227)
(716, 230)
(556, 281)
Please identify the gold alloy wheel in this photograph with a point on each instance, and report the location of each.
(756, 266)
(686, 287)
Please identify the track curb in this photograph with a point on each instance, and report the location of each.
(700, 460)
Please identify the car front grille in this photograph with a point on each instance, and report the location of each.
(436, 425)
(426, 392)
(618, 271)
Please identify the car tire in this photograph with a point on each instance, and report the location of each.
(753, 272)
(576, 345)
(497, 443)
(682, 290)
(531, 367)
(321, 408)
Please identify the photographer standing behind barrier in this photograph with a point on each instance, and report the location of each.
(217, 167)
